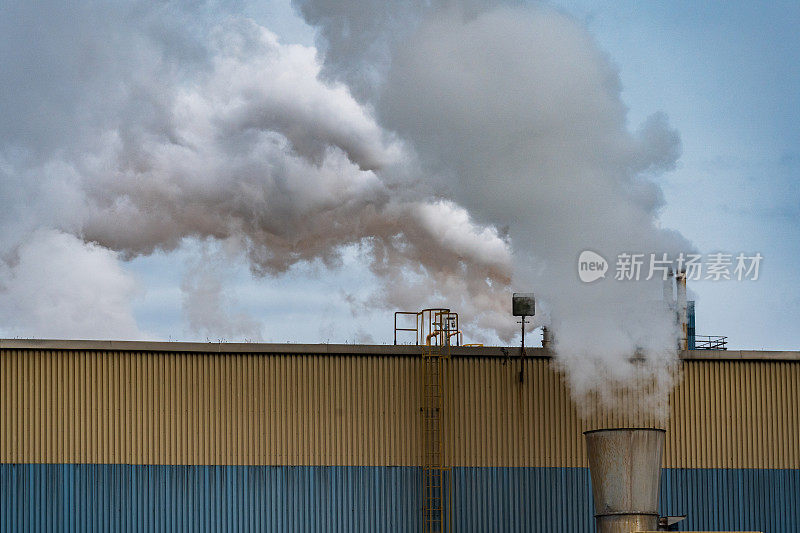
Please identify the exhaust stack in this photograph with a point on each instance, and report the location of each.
(669, 290)
(625, 466)
(683, 319)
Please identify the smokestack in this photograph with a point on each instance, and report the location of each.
(683, 320)
(669, 292)
(547, 338)
(625, 466)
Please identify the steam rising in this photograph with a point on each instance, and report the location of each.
(219, 131)
(518, 115)
(59, 286)
(458, 145)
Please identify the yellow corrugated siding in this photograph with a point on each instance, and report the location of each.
(62, 406)
(174, 408)
(736, 414)
(502, 422)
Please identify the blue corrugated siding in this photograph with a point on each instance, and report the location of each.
(733, 499)
(40, 497)
(522, 499)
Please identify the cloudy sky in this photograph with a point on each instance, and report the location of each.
(296, 172)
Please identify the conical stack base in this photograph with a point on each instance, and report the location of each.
(625, 466)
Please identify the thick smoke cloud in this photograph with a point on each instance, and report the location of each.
(457, 145)
(216, 130)
(517, 114)
(57, 286)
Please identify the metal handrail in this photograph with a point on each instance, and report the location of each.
(431, 325)
(710, 342)
(396, 329)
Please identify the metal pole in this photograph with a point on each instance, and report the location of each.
(522, 353)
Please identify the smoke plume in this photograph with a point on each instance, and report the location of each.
(464, 148)
(61, 287)
(136, 130)
(517, 115)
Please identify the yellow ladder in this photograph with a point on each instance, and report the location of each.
(436, 489)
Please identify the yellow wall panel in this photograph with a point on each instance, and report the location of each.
(161, 407)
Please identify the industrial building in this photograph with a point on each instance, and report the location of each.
(141, 436)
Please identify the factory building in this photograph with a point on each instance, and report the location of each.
(140, 436)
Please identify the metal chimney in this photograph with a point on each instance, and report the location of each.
(547, 338)
(669, 289)
(683, 320)
(625, 466)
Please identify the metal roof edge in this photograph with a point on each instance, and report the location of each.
(348, 349)
(252, 347)
(740, 355)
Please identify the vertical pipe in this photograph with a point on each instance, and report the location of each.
(683, 321)
(547, 337)
(669, 291)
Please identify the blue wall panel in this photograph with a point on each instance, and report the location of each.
(40, 497)
(46, 497)
(522, 499)
(733, 499)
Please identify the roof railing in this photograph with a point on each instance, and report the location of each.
(710, 342)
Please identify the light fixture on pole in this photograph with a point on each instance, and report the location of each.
(523, 305)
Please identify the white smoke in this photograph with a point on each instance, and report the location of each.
(56, 286)
(220, 131)
(210, 308)
(456, 145)
(517, 114)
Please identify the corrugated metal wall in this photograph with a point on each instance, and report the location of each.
(105, 498)
(733, 499)
(50, 497)
(735, 414)
(62, 406)
(179, 408)
(128, 440)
